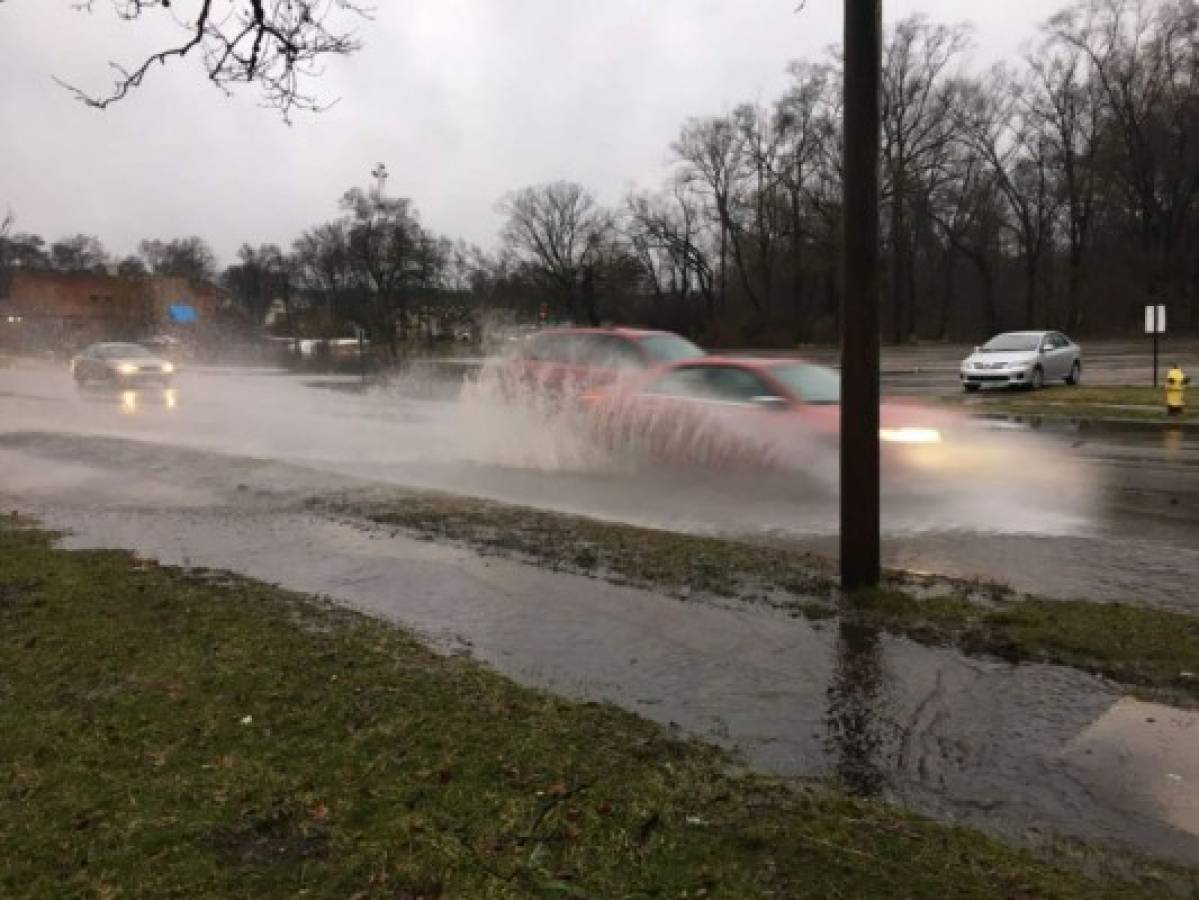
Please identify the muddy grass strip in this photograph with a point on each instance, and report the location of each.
(166, 734)
(1154, 653)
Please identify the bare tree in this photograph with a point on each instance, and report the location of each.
(996, 123)
(565, 235)
(966, 208)
(807, 119)
(1064, 102)
(277, 45)
(79, 253)
(666, 233)
(132, 267)
(1145, 59)
(325, 270)
(259, 277)
(384, 243)
(188, 257)
(918, 102)
(759, 217)
(711, 156)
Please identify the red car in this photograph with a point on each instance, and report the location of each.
(569, 360)
(758, 412)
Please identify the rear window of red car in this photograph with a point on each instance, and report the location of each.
(668, 348)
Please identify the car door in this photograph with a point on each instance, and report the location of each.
(1050, 357)
(1073, 352)
(87, 364)
(1063, 354)
(708, 414)
(548, 362)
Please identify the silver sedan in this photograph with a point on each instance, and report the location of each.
(121, 365)
(1025, 359)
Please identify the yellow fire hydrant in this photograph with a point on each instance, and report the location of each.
(1176, 385)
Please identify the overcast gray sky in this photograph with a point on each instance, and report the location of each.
(463, 99)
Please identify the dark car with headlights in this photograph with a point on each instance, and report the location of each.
(121, 365)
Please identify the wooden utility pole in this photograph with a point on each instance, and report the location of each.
(860, 551)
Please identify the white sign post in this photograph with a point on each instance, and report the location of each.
(1155, 324)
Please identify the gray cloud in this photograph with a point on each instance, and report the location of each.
(463, 99)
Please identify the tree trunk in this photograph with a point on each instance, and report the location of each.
(1030, 290)
(1074, 304)
(948, 297)
(897, 254)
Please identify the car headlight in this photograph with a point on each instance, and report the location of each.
(127, 369)
(910, 435)
(168, 368)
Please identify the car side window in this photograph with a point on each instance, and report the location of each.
(736, 385)
(609, 352)
(691, 381)
(727, 383)
(551, 348)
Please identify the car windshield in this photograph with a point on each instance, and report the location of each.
(667, 348)
(1010, 342)
(812, 384)
(122, 351)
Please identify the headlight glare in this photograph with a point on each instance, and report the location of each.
(910, 435)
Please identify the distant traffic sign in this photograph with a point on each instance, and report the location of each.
(1155, 319)
(182, 314)
(1155, 324)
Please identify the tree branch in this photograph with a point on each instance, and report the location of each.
(275, 44)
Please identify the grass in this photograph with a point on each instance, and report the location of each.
(1152, 650)
(1140, 403)
(168, 735)
(620, 552)
(1149, 650)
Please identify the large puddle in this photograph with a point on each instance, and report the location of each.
(1026, 751)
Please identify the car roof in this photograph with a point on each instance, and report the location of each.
(631, 333)
(1029, 333)
(745, 362)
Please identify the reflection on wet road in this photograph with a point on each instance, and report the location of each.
(856, 723)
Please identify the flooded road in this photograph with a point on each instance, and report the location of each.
(1078, 512)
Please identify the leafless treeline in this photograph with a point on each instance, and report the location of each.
(1055, 191)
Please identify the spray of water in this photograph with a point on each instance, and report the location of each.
(726, 469)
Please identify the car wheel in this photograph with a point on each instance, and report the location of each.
(1038, 379)
(971, 388)
(1075, 375)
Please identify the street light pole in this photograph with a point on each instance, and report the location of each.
(860, 550)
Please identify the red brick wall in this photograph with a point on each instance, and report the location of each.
(69, 295)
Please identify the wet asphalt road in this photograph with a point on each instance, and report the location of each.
(1070, 511)
(1020, 750)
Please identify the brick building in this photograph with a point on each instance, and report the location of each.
(67, 310)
